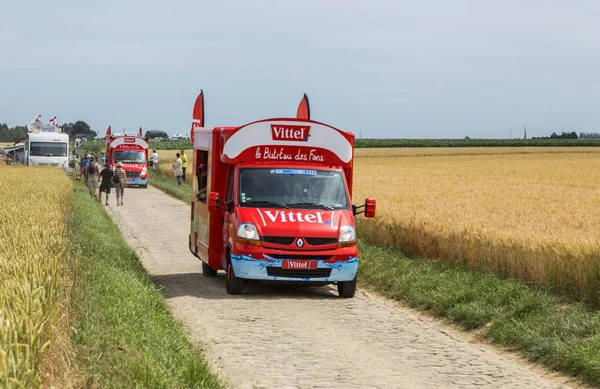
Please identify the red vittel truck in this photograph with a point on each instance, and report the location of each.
(272, 200)
(132, 151)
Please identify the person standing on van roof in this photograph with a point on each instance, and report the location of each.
(154, 160)
(183, 163)
(120, 181)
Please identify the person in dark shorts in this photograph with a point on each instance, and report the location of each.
(107, 175)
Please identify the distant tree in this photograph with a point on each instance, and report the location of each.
(12, 134)
(574, 135)
(156, 134)
(82, 129)
(467, 137)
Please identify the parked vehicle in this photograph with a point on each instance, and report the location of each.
(273, 201)
(132, 151)
(44, 146)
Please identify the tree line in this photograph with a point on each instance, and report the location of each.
(79, 129)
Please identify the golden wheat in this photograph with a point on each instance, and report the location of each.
(33, 247)
(531, 215)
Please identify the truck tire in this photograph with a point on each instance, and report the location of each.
(233, 284)
(347, 289)
(208, 271)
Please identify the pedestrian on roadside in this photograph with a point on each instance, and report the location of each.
(92, 172)
(177, 169)
(107, 176)
(120, 181)
(154, 160)
(183, 163)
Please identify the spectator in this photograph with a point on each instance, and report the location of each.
(183, 163)
(107, 175)
(202, 181)
(120, 181)
(91, 176)
(177, 169)
(154, 160)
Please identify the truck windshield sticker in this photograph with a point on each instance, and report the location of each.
(294, 171)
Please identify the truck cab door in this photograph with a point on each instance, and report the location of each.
(228, 217)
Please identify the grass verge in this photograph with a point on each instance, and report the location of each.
(123, 331)
(169, 185)
(542, 326)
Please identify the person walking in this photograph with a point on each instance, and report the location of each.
(177, 169)
(120, 181)
(154, 160)
(91, 177)
(183, 163)
(107, 176)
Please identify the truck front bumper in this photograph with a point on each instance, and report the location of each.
(339, 268)
(138, 181)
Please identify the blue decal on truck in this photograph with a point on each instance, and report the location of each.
(247, 267)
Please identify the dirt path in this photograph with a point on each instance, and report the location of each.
(283, 337)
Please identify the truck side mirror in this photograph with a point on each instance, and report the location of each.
(370, 206)
(213, 197)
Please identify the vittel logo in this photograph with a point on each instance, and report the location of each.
(129, 140)
(294, 217)
(290, 132)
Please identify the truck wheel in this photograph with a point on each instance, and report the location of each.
(233, 284)
(208, 271)
(347, 289)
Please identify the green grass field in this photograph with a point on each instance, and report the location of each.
(122, 330)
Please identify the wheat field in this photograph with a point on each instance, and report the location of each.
(529, 214)
(33, 252)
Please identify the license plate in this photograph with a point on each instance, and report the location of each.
(298, 264)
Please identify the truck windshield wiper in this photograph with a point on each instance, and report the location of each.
(323, 205)
(266, 202)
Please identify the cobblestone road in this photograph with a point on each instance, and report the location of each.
(283, 337)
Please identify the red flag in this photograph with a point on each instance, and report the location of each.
(197, 114)
(303, 111)
(107, 137)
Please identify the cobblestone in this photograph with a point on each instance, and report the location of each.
(277, 336)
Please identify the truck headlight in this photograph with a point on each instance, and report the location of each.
(247, 234)
(347, 236)
(144, 172)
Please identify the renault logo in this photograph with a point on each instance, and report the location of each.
(300, 242)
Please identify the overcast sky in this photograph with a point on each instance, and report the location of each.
(427, 69)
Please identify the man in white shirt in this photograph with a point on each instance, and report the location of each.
(154, 160)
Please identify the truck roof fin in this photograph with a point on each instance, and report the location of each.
(303, 111)
(197, 114)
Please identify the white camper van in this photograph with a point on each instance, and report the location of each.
(45, 146)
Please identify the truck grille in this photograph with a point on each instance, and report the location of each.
(132, 174)
(279, 272)
(285, 240)
(308, 257)
(278, 240)
(320, 241)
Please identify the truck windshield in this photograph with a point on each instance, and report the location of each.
(48, 149)
(292, 188)
(129, 156)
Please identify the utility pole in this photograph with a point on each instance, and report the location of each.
(525, 135)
